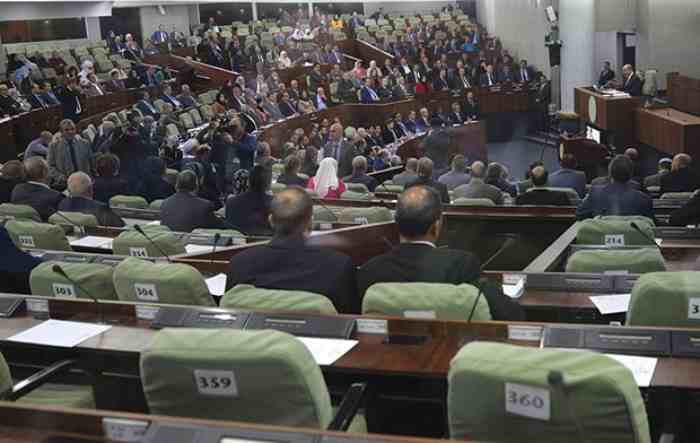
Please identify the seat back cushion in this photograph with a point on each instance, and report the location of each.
(634, 261)
(128, 201)
(134, 244)
(78, 218)
(250, 297)
(615, 231)
(365, 215)
(30, 234)
(92, 277)
(19, 212)
(665, 299)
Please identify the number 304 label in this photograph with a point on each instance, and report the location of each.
(527, 401)
(694, 308)
(218, 383)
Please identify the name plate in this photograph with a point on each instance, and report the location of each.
(121, 430)
(37, 306)
(686, 343)
(144, 312)
(372, 326)
(524, 333)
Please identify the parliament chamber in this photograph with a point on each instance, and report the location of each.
(346, 222)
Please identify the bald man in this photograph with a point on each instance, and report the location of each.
(80, 199)
(538, 195)
(631, 84)
(36, 192)
(681, 178)
(477, 188)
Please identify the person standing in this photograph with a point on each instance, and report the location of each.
(68, 154)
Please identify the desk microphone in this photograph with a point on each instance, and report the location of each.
(150, 240)
(217, 237)
(59, 270)
(556, 381)
(636, 227)
(71, 222)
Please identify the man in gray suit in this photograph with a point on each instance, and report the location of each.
(458, 176)
(655, 180)
(476, 188)
(341, 150)
(409, 175)
(68, 154)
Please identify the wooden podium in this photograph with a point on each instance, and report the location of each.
(614, 114)
(590, 155)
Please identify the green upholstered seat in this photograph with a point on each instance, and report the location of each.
(226, 374)
(392, 188)
(137, 280)
(360, 188)
(277, 187)
(77, 218)
(473, 202)
(11, 210)
(223, 232)
(93, 277)
(324, 214)
(365, 215)
(155, 204)
(596, 231)
(493, 389)
(128, 201)
(574, 198)
(352, 195)
(634, 261)
(30, 234)
(132, 243)
(425, 300)
(665, 299)
(250, 297)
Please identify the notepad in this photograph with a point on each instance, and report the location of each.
(641, 367)
(91, 241)
(327, 351)
(217, 284)
(611, 304)
(64, 334)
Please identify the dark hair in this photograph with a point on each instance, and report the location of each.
(292, 164)
(620, 169)
(540, 179)
(291, 210)
(417, 209)
(187, 181)
(107, 165)
(14, 169)
(259, 179)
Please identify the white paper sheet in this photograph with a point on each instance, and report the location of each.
(325, 350)
(611, 304)
(217, 284)
(154, 223)
(516, 290)
(191, 249)
(65, 334)
(91, 241)
(641, 367)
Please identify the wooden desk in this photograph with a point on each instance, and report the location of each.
(590, 155)
(669, 130)
(684, 92)
(468, 139)
(10, 149)
(614, 114)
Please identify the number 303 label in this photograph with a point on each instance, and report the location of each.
(217, 383)
(694, 308)
(528, 401)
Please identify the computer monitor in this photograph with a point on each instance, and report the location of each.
(593, 134)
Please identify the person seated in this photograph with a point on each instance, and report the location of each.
(8, 105)
(607, 75)
(249, 212)
(390, 135)
(286, 107)
(681, 178)
(401, 91)
(220, 105)
(320, 101)
(400, 127)
(287, 262)
(115, 84)
(36, 192)
(11, 174)
(326, 182)
(506, 75)
(477, 188)
(425, 178)
(359, 174)
(526, 74)
(39, 147)
(384, 89)
(496, 175)
(456, 117)
(423, 122)
(381, 160)
(367, 94)
(15, 266)
(458, 176)
(488, 78)
(186, 98)
(568, 177)
(664, 167)
(146, 107)
(290, 176)
(409, 175)
(184, 211)
(537, 196)
(617, 198)
(107, 183)
(411, 122)
(169, 97)
(80, 191)
(417, 259)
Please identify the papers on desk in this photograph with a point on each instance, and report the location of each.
(154, 223)
(641, 367)
(659, 241)
(64, 334)
(611, 304)
(191, 249)
(217, 284)
(91, 241)
(325, 350)
(514, 285)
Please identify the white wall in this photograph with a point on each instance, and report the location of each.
(176, 15)
(406, 7)
(616, 15)
(577, 28)
(606, 50)
(55, 9)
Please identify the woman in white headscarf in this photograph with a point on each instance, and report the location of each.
(326, 182)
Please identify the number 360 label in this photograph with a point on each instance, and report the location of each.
(219, 383)
(527, 401)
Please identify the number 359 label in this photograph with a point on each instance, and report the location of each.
(527, 401)
(218, 383)
(694, 308)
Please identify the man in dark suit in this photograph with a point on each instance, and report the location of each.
(36, 99)
(184, 211)
(342, 151)
(416, 258)
(471, 110)
(359, 174)
(48, 95)
(425, 178)
(631, 83)
(390, 134)
(146, 107)
(538, 195)
(81, 200)
(288, 262)
(367, 94)
(168, 97)
(525, 73)
(286, 107)
(488, 78)
(71, 101)
(606, 75)
(681, 178)
(664, 167)
(36, 192)
(617, 198)
(456, 117)
(115, 84)
(568, 176)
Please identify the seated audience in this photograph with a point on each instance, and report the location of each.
(326, 182)
(458, 176)
(290, 176)
(619, 197)
(568, 177)
(359, 174)
(425, 178)
(634, 181)
(107, 182)
(15, 266)
(664, 168)
(36, 192)
(681, 178)
(477, 188)
(310, 162)
(287, 262)
(186, 98)
(80, 191)
(169, 97)
(146, 106)
(409, 175)
(11, 174)
(184, 211)
(153, 183)
(496, 175)
(537, 196)
(688, 214)
(249, 212)
(471, 107)
(417, 259)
